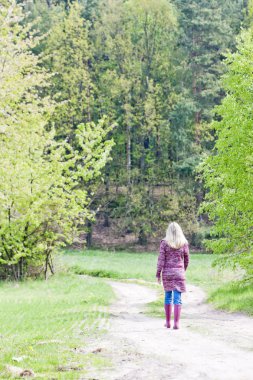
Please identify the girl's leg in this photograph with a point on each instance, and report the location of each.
(177, 297)
(168, 307)
(177, 308)
(168, 297)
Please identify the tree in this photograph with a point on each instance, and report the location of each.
(228, 171)
(134, 53)
(154, 68)
(68, 57)
(207, 30)
(43, 201)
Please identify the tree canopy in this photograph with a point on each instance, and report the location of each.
(228, 171)
(42, 197)
(107, 108)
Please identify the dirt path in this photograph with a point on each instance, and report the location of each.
(210, 345)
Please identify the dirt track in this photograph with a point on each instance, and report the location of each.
(210, 345)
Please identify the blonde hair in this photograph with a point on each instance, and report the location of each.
(175, 236)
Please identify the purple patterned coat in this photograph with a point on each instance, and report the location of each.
(173, 263)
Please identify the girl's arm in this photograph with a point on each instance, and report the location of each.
(186, 256)
(161, 260)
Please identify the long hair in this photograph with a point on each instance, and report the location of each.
(175, 236)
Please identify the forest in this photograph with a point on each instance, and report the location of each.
(118, 116)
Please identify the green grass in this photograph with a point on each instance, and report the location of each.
(124, 265)
(140, 266)
(117, 265)
(220, 287)
(233, 297)
(45, 321)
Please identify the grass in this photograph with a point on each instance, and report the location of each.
(124, 265)
(46, 322)
(140, 266)
(117, 265)
(220, 287)
(233, 297)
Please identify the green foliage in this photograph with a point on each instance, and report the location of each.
(134, 44)
(157, 68)
(207, 31)
(148, 210)
(42, 202)
(67, 56)
(133, 40)
(153, 68)
(228, 172)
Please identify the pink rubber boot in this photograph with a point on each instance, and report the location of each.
(168, 310)
(177, 312)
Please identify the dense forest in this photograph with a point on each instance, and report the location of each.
(110, 111)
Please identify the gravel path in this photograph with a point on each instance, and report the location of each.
(210, 345)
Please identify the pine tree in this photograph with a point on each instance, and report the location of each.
(205, 36)
(68, 56)
(134, 52)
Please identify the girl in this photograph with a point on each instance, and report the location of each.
(173, 261)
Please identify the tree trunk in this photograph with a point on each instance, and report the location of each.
(106, 213)
(158, 143)
(48, 265)
(142, 158)
(51, 264)
(21, 268)
(128, 152)
(89, 234)
(142, 238)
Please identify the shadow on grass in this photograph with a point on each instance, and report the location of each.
(101, 273)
